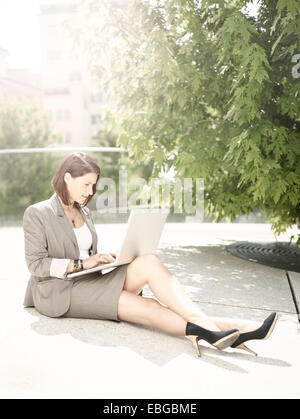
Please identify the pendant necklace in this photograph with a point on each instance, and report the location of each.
(73, 222)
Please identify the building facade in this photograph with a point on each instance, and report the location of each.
(74, 107)
(63, 88)
(19, 84)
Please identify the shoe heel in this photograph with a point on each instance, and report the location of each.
(194, 340)
(245, 348)
(226, 341)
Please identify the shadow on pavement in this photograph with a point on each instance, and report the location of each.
(151, 344)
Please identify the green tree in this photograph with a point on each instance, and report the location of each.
(207, 89)
(24, 178)
(112, 162)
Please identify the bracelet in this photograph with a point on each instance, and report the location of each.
(81, 264)
(76, 267)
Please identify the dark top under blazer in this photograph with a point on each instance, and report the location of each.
(47, 235)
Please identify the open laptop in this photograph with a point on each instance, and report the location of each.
(144, 229)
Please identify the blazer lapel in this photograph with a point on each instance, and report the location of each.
(63, 220)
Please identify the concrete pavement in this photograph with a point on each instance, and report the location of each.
(43, 357)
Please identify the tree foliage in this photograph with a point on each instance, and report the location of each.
(207, 88)
(24, 178)
(112, 162)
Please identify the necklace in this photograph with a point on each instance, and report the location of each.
(73, 217)
(73, 220)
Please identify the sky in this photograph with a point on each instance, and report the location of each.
(20, 32)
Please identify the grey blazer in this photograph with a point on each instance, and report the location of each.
(48, 235)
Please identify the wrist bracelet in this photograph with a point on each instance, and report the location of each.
(76, 267)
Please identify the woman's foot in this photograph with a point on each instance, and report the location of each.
(218, 339)
(262, 332)
(204, 322)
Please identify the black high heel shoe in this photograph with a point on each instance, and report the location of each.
(219, 340)
(262, 332)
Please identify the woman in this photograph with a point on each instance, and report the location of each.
(60, 238)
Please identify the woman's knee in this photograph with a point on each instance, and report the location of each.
(142, 265)
(146, 260)
(142, 270)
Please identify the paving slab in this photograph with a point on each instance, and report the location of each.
(43, 357)
(295, 280)
(295, 289)
(212, 275)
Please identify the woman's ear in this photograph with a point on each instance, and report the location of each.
(67, 177)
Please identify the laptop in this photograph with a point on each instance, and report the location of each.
(144, 228)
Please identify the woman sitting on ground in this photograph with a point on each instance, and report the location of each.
(60, 237)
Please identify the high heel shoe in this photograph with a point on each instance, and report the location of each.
(262, 332)
(219, 340)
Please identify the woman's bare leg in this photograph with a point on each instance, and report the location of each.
(148, 269)
(242, 325)
(149, 312)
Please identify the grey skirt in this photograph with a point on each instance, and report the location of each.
(97, 297)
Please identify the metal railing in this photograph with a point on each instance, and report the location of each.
(52, 149)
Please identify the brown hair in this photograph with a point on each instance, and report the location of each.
(77, 164)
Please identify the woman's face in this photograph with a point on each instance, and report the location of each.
(81, 187)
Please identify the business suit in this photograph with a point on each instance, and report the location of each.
(48, 238)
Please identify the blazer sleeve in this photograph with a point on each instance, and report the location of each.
(36, 247)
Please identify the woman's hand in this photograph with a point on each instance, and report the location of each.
(107, 258)
(99, 259)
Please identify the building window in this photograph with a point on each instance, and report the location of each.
(74, 77)
(57, 91)
(63, 114)
(53, 32)
(54, 55)
(96, 97)
(68, 137)
(67, 114)
(59, 115)
(95, 119)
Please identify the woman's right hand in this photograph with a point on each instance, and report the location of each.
(98, 259)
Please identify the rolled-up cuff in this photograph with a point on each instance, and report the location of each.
(59, 267)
